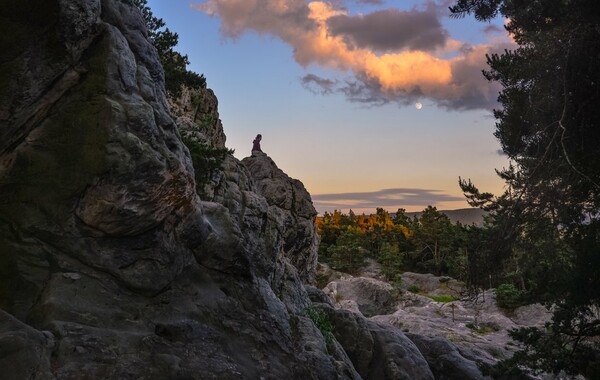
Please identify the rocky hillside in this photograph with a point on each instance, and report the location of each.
(111, 264)
(456, 334)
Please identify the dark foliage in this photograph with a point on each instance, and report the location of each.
(545, 228)
(206, 160)
(174, 63)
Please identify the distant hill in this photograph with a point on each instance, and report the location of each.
(465, 216)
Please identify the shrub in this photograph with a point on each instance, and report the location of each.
(508, 296)
(414, 289)
(482, 330)
(321, 280)
(321, 320)
(206, 160)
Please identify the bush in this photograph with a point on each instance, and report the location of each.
(321, 280)
(508, 296)
(321, 320)
(482, 330)
(414, 289)
(206, 160)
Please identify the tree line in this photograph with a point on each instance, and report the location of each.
(428, 243)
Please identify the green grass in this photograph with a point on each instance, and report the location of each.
(442, 298)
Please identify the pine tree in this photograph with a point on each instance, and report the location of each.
(174, 63)
(547, 223)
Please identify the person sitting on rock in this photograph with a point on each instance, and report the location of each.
(256, 151)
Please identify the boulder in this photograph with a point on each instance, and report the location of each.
(373, 297)
(445, 360)
(24, 351)
(377, 351)
(432, 285)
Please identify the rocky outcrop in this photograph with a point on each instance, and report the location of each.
(196, 112)
(377, 351)
(111, 265)
(445, 360)
(293, 209)
(372, 296)
(432, 285)
(455, 338)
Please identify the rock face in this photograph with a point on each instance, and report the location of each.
(196, 113)
(293, 210)
(372, 296)
(111, 266)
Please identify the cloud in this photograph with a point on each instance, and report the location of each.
(388, 199)
(318, 85)
(416, 59)
(491, 29)
(390, 29)
(374, 2)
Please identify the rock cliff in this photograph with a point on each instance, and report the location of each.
(111, 265)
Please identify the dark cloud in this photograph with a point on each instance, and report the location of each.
(473, 90)
(365, 92)
(388, 199)
(390, 29)
(374, 2)
(318, 85)
(492, 29)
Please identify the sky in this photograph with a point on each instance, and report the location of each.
(370, 103)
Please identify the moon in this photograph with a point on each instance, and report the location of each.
(418, 105)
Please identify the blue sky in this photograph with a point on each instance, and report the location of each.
(337, 111)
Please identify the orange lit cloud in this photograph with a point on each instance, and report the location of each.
(321, 33)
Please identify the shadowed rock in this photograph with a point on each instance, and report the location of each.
(111, 266)
(104, 242)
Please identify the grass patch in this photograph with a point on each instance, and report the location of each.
(442, 298)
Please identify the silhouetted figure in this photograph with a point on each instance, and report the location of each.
(256, 145)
